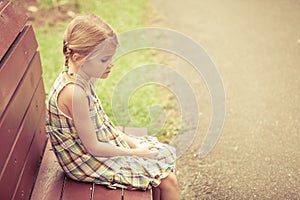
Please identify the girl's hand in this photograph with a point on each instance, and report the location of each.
(134, 144)
(148, 151)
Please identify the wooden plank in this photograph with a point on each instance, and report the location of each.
(12, 20)
(28, 173)
(49, 182)
(13, 115)
(14, 64)
(30, 168)
(104, 193)
(11, 171)
(74, 190)
(137, 195)
(25, 133)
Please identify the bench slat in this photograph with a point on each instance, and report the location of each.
(49, 182)
(14, 64)
(30, 169)
(17, 107)
(74, 190)
(12, 169)
(104, 193)
(12, 21)
(137, 195)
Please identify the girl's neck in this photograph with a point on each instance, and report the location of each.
(79, 71)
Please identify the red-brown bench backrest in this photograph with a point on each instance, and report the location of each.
(22, 105)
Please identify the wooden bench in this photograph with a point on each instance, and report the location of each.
(22, 105)
(28, 167)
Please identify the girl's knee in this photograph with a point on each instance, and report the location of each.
(169, 182)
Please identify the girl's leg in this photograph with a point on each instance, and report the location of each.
(169, 188)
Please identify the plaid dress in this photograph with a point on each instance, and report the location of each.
(128, 172)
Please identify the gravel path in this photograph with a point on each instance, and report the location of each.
(256, 48)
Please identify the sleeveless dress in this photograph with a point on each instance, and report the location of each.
(128, 172)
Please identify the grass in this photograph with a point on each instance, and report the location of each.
(123, 15)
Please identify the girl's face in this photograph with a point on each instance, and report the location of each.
(98, 63)
(107, 71)
(98, 67)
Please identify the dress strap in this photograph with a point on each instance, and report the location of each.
(78, 80)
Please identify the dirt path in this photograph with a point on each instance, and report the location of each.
(256, 48)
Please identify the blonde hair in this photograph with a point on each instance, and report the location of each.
(83, 34)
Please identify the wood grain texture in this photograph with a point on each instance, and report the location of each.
(137, 195)
(14, 64)
(50, 179)
(12, 20)
(14, 164)
(11, 120)
(22, 105)
(103, 193)
(33, 158)
(74, 190)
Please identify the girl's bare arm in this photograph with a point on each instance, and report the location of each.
(79, 109)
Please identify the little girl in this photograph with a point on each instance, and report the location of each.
(87, 145)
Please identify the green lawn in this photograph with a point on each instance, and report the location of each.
(123, 15)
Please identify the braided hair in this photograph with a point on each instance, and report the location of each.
(67, 52)
(83, 34)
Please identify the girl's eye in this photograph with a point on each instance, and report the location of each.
(105, 59)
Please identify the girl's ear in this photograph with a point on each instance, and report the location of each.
(76, 57)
